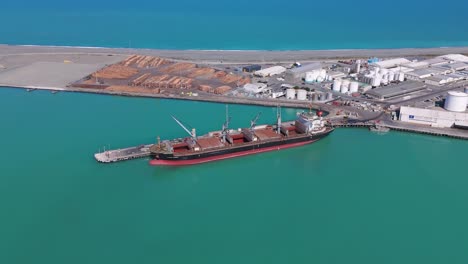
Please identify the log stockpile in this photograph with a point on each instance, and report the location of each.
(131, 89)
(178, 68)
(222, 89)
(115, 71)
(163, 81)
(145, 61)
(200, 72)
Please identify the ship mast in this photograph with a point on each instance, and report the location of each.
(226, 124)
(253, 122)
(192, 133)
(278, 119)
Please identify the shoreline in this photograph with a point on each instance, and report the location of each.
(234, 56)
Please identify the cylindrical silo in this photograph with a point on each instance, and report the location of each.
(290, 94)
(345, 84)
(456, 101)
(466, 90)
(336, 85)
(353, 87)
(391, 76)
(311, 76)
(301, 94)
(376, 81)
(314, 97)
(329, 96)
(401, 76)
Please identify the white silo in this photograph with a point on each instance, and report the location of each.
(456, 101)
(345, 84)
(323, 73)
(336, 85)
(314, 97)
(329, 96)
(311, 76)
(401, 76)
(358, 66)
(290, 93)
(376, 81)
(344, 89)
(391, 76)
(353, 87)
(466, 90)
(301, 94)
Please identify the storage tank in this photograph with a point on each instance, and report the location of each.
(401, 76)
(290, 93)
(336, 85)
(466, 90)
(353, 87)
(323, 74)
(329, 96)
(391, 76)
(344, 89)
(376, 81)
(301, 94)
(456, 101)
(345, 84)
(314, 97)
(311, 76)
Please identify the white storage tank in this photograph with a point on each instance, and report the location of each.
(336, 85)
(376, 81)
(456, 101)
(329, 96)
(353, 87)
(290, 93)
(466, 90)
(401, 76)
(344, 89)
(301, 94)
(345, 84)
(391, 76)
(314, 97)
(311, 76)
(323, 74)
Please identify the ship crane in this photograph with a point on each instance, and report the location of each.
(225, 130)
(192, 133)
(253, 122)
(278, 119)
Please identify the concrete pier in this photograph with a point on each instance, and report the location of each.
(110, 156)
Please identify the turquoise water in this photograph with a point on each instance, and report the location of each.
(237, 24)
(354, 197)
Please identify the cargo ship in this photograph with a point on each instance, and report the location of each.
(229, 143)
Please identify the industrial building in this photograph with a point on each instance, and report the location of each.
(251, 68)
(391, 63)
(396, 90)
(300, 72)
(436, 117)
(255, 87)
(270, 71)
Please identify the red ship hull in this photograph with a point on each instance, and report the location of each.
(158, 162)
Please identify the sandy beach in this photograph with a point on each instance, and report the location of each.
(235, 56)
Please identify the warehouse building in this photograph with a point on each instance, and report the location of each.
(300, 72)
(436, 117)
(251, 68)
(270, 71)
(393, 91)
(391, 63)
(438, 80)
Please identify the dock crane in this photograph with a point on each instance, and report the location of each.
(192, 133)
(225, 130)
(253, 122)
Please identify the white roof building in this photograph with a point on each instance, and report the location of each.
(433, 117)
(456, 57)
(391, 62)
(270, 71)
(255, 87)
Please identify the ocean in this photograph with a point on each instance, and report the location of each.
(237, 25)
(353, 197)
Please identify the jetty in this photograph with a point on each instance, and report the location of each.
(109, 156)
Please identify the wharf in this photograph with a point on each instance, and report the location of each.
(110, 156)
